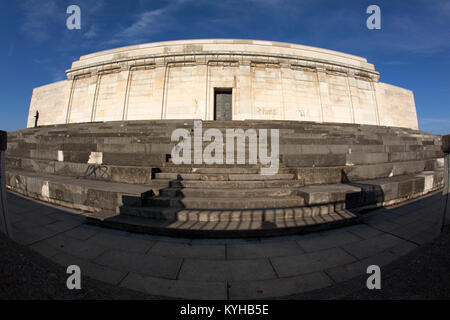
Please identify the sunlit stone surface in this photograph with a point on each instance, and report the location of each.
(180, 80)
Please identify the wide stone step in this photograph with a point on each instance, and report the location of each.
(235, 163)
(228, 192)
(200, 184)
(237, 169)
(226, 229)
(376, 192)
(222, 177)
(208, 170)
(83, 194)
(224, 215)
(223, 203)
(169, 164)
(218, 170)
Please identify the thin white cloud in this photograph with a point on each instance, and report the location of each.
(432, 120)
(394, 62)
(44, 20)
(149, 23)
(267, 2)
(92, 32)
(37, 18)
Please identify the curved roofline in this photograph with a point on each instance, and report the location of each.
(222, 41)
(241, 47)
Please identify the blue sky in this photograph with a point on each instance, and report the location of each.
(412, 49)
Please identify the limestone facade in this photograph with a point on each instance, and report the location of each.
(266, 80)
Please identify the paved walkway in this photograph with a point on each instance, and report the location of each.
(225, 268)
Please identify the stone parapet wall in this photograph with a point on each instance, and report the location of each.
(233, 46)
(177, 80)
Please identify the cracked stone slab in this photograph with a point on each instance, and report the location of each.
(372, 246)
(155, 266)
(120, 242)
(176, 288)
(278, 287)
(90, 269)
(231, 270)
(263, 250)
(327, 240)
(188, 250)
(310, 262)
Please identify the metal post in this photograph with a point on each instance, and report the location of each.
(5, 226)
(446, 191)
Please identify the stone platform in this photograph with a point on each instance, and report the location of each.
(121, 175)
(255, 268)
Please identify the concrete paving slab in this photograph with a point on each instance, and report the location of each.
(82, 232)
(225, 241)
(45, 249)
(403, 248)
(383, 225)
(232, 270)
(154, 266)
(327, 240)
(372, 246)
(33, 222)
(64, 215)
(426, 236)
(278, 287)
(263, 250)
(15, 217)
(176, 288)
(63, 226)
(187, 250)
(310, 262)
(120, 242)
(90, 269)
(198, 269)
(351, 270)
(78, 248)
(159, 238)
(30, 236)
(364, 231)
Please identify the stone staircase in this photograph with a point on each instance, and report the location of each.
(325, 170)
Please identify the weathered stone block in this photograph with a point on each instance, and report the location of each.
(366, 158)
(136, 159)
(320, 175)
(371, 171)
(131, 174)
(330, 160)
(76, 156)
(405, 188)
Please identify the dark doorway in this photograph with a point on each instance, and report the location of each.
(223, 109)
